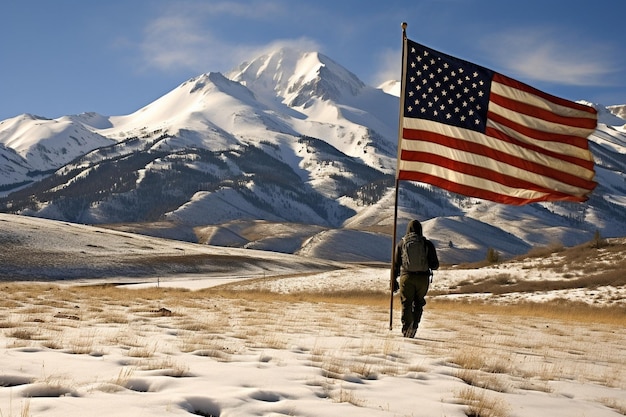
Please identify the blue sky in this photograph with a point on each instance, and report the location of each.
(61, 57)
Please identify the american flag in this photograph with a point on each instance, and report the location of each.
(475, 132)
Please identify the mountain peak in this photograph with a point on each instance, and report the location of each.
(214, 81)
(297, 77)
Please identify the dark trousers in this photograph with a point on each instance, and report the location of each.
(413, 289)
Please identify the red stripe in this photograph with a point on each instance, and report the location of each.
(502, 79)
(530, 110)
(492, 153)
(537, 134)
(480, 193)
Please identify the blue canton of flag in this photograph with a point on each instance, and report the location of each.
(440, 89)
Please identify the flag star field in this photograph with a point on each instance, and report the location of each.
(446, 90)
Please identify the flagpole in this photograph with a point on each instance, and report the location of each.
(395, 212)
(393, 258)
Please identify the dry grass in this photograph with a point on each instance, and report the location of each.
(565, 310)
(24, 410)
(116, 305)
(617, 405)
(482, 404)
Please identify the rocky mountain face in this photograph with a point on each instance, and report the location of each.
(289, 152)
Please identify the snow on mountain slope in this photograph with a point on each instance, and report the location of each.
(608, 136)
(45, 144)
(619, 111)
(92, 120)
(220, 109)
(324, 100)
(464, 238)
(355, 246)
(226, 205)
(297, 78)
(391, 87)
(14, 169)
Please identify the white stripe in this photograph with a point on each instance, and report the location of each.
(529, 98)
(508, 148)
(489, 163)
(469, 180)
(538, 123)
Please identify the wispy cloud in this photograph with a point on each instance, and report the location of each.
(389, 66)
(552, 57)
(183, 37)
(304, 44)
(172, 42)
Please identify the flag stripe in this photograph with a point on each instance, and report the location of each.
(547, 118)
(478, 177)
(505, 134)
(461, 151)
(473, 131)
(463, 188)
(538, 98)
(526, 136)
(576, 123)
(479, 187)
(419, 134)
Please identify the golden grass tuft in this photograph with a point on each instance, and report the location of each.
(481, 404)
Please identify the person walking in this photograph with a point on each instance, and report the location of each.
(415, 259)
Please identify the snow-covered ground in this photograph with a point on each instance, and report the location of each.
(149, 349)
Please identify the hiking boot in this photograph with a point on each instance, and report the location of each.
(410, 332)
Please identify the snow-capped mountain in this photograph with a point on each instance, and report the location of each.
(290, 152)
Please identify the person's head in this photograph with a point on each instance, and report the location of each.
(414, 226)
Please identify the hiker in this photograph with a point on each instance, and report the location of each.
(415, 259)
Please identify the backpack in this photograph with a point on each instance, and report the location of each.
(414, 253)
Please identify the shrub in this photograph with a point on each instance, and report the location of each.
(493, 256)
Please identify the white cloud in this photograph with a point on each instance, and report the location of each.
(174, 42)
(183, 38)
(303, 44)
(389, 66)
(545, 56)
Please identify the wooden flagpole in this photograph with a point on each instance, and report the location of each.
(395, 213)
